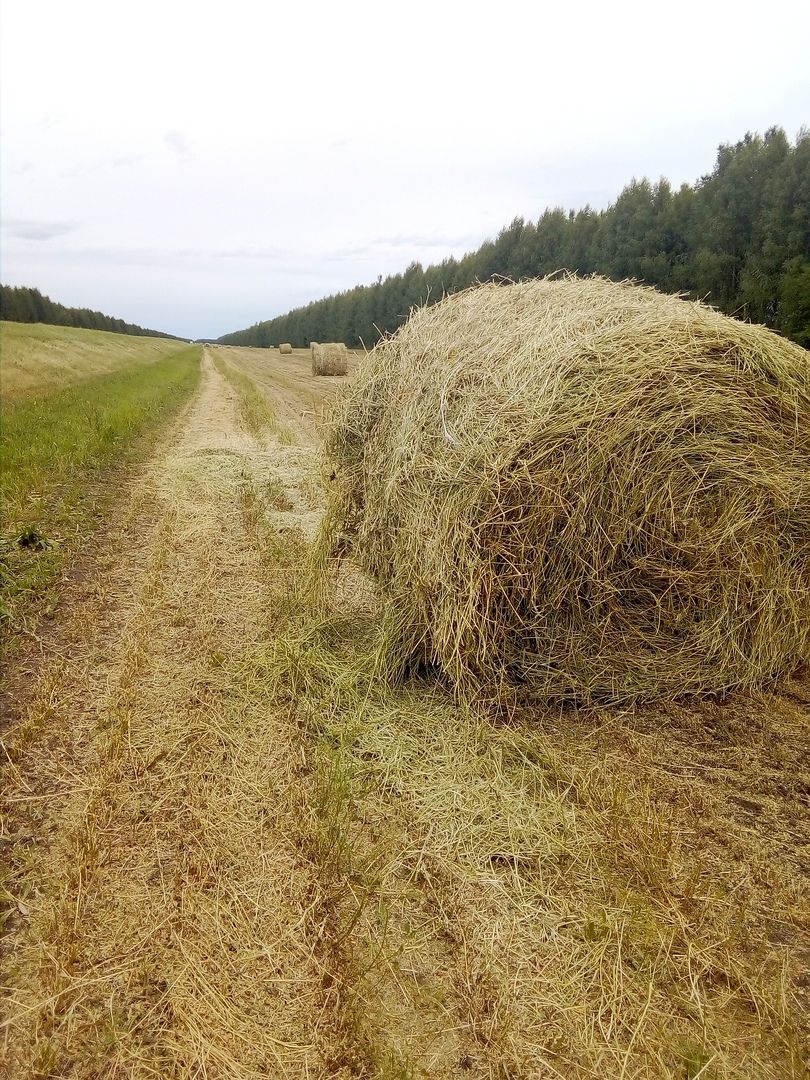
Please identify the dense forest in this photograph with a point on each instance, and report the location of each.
(739, 238)
(21, 304)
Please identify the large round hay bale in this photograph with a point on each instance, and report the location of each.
(285, 349)
(582, 491)
(330, 358)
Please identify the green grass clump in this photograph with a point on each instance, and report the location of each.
(56, 451)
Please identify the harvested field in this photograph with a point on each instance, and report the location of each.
(297, 400)
(232, 850)
(581, 491)
(37, 357)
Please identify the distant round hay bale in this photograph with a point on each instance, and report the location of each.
(285, 348)
(330, 358)
(580, 491)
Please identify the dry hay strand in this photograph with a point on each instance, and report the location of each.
(285, 349)
(329, 358)
(580, 491)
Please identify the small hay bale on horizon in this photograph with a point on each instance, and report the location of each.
(329, 358)
(578, 491)
(285, 349)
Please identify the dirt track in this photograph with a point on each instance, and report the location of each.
(175, 903)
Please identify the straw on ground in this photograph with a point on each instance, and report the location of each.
(232, 851)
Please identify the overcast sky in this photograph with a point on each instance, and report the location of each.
(197, 167)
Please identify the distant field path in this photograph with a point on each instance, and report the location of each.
(176, 923)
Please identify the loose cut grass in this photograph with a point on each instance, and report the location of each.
(580, 490)
(175, 926)
(556, 897)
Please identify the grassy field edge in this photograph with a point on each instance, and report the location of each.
(59, 455)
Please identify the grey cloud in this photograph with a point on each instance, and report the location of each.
(177, 142)
(125, 159)
(418, 241)
(423, 240)
(158, 256)
(118, 162)
(76, 171)
(47, 121)
(26, 229)
(357, 251)
(250, 253)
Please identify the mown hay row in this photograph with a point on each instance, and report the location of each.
(329, 358)
(582, 491)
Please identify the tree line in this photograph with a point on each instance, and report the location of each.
(21, 304)
(738, 238)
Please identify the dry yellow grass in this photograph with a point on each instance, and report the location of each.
(233, 852)
(565, 895)
(175, 927)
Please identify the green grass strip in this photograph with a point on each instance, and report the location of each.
(56, 453)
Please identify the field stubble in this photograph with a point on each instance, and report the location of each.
(235, 853)
(597, 896)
